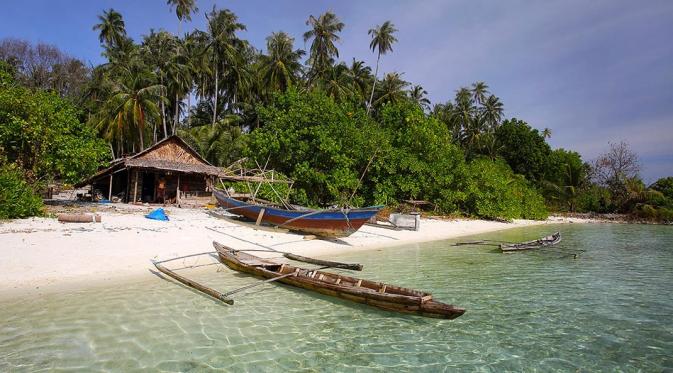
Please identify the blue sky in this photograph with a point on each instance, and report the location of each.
(591, 71)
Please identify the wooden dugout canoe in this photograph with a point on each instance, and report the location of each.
(323, 223)
(552, 239)
(380, 295)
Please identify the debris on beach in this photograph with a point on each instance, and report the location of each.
(158, 214)
(79, 218)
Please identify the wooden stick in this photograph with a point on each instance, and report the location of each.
(305, 259)
(355, 266)
(202, 288)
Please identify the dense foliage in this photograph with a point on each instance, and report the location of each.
(494, 191)
(524, 149)
(17, 197)
(408, 155)
(41, 133)
(317, 142)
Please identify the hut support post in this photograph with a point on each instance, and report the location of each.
(109, 194)
(177, 195)
(135, 188)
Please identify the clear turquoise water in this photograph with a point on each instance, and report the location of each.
(611, 309)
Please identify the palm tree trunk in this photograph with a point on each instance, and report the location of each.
(376, 73)
(189, 107)
(216, 94)
(163, 108)
(177, 114)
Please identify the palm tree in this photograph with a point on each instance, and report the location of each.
(360, 76)
(179, 75)
(157, 50)
(479, 92)
(569, 187)
(323, 31)
(392, 89)
(337, 83)
(131, 104)
(492, 111)
(111, 28)
(183, 10)
(418, 95)
(546, 133)
(382, 40)
(215, 142)
(222, 41)
(280, 68)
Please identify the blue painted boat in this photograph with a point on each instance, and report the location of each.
(324, 223)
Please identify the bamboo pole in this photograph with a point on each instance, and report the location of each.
(193, 284)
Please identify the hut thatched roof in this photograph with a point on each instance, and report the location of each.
(169, 154)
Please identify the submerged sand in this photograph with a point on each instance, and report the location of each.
(41, 254)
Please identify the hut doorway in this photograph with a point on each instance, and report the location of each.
(148, 191)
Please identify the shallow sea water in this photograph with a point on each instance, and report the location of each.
(610, 309)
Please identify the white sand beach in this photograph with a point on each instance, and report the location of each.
(41, 254)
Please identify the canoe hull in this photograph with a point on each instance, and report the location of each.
(325, 223)
(414, 302)
(531, 245)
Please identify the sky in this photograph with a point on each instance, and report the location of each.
(593, 72)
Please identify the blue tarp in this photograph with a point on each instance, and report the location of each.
(157, 214)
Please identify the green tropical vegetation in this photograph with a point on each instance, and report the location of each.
(344, 132)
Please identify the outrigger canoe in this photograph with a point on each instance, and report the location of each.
(552, 239)
(377, 294)
(324, 223)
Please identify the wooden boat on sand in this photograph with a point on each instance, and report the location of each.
(552, 239)
(384, 296)
(323, 223)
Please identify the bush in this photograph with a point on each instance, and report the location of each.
(42, 134)
(418, 161)
(594, 199)
(524, 149)
(17, 198)
(494, 192)
(322, 145)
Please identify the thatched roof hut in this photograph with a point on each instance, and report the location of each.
(168, 171)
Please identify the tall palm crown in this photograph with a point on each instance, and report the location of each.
(382, 40)
(183, 8)
(392, 89)
(479, 92)
(419, 95)
(112, 30)
(324, 32)
(360, 76)
(492, 110)
(546, 133)
(131, 104)
(280, 67)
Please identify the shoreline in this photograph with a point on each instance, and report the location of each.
(41, 255)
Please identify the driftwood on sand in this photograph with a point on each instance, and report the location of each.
(79, 218)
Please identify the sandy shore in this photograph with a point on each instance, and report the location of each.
(41, 254)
